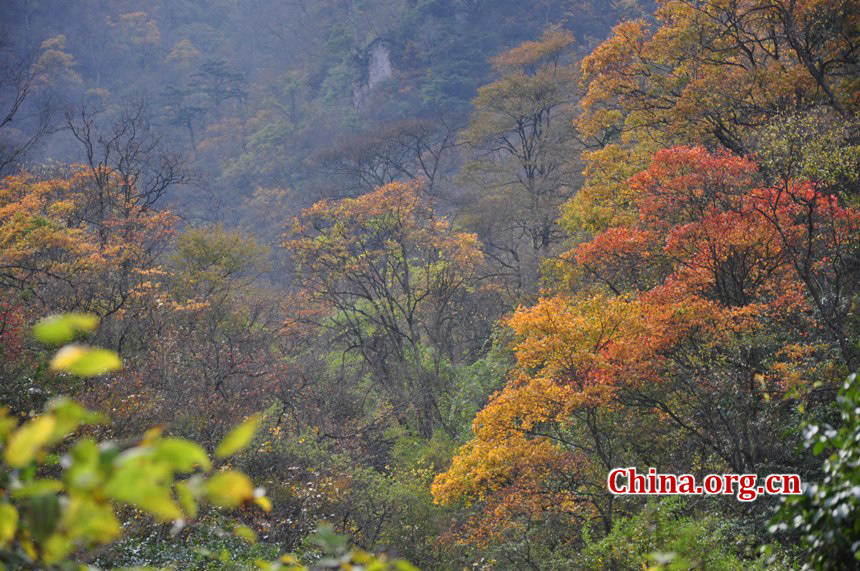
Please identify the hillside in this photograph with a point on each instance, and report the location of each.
(375, 284)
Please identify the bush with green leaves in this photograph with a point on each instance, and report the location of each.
(826, 514)
(663, 536)
(312, 480)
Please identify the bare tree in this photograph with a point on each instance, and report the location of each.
(129, 165)
(23, 119)
(406, 150)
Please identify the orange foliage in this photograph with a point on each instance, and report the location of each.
(548, 49)
(715, 270)
(59, 237)
(712, 70)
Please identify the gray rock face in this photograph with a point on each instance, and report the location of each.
(379, 68)
(379, 64)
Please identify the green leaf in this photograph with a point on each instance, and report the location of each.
(84, 361)
(182, 455)
(229, 489)
(239, 437)
(60, 329)
(37, 488)
(85, 472)
(154, 500)
(27, 440)
(90, 520)
(70, 415)
(41, 515)
(818, 447)
(160, 505)
(141, 483)
(186, 498)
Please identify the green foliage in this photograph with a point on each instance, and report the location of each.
(335, 553)
(826, 515)
(83, 361)
(814, 146)
(209, 547)
(62, 495)
(370, 356)
(663, 536)
(312, 480)
(211, 261)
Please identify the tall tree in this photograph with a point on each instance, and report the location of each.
(520, 140)
(397, 279)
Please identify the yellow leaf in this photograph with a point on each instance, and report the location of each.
(27, 440)
(151, 435)
(59, 329)
(246, 533)
(55, 548)
(66, 357)
(85, 362)
(264, 503)
(239, 437)
(8, 523)
(229, 489)
(29, 548)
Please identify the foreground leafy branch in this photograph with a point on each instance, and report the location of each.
(60, 494)
(826, 514)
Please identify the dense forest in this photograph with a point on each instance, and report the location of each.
(397, 284)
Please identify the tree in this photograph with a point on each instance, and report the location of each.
(758, 79)
(396, 278)
(129, 166)
(68, 250)
(220, 83)
(715, 71)
(410, 150)
(541, 447)
(137, 33)
(520, 139)
(45, 520)
(218, 324)
(50, 517)
(22, 123)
